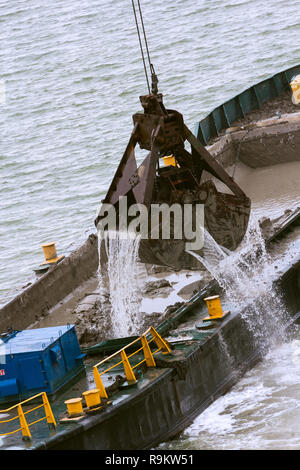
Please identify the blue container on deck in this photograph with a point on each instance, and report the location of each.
(39, 360)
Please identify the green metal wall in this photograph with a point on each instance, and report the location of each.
(237, 108)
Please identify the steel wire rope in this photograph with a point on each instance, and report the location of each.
(140, 41)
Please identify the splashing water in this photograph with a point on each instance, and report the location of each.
(229, 359)
(119, 278)
(245, 276)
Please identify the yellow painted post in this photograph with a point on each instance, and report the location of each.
(23, 423)
(147, 352)
(99, 383)
(48, 411)
(127, 367)
(159, 341)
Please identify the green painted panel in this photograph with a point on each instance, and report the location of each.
(290, 73)
(232, 110)
(280, 82)
(219, 118)
(205, 129)
(265, 91)
(250, 99)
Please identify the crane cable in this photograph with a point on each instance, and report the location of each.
(153, 75)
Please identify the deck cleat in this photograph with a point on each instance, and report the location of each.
(206, 325)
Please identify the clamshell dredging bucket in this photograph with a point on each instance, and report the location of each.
(225, 217)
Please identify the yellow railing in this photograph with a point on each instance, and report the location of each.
(161, 344)
(24, 426)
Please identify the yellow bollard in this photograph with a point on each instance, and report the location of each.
(49, 251)
(214, 307)
(74, 406)
(92, 397)
(50, 254)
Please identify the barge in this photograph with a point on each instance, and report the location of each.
(160, 390)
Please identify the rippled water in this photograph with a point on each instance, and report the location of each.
(261, 412)
(73, 75)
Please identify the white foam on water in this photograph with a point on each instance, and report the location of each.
(120, 279)
(245, 276)
(261, 412)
